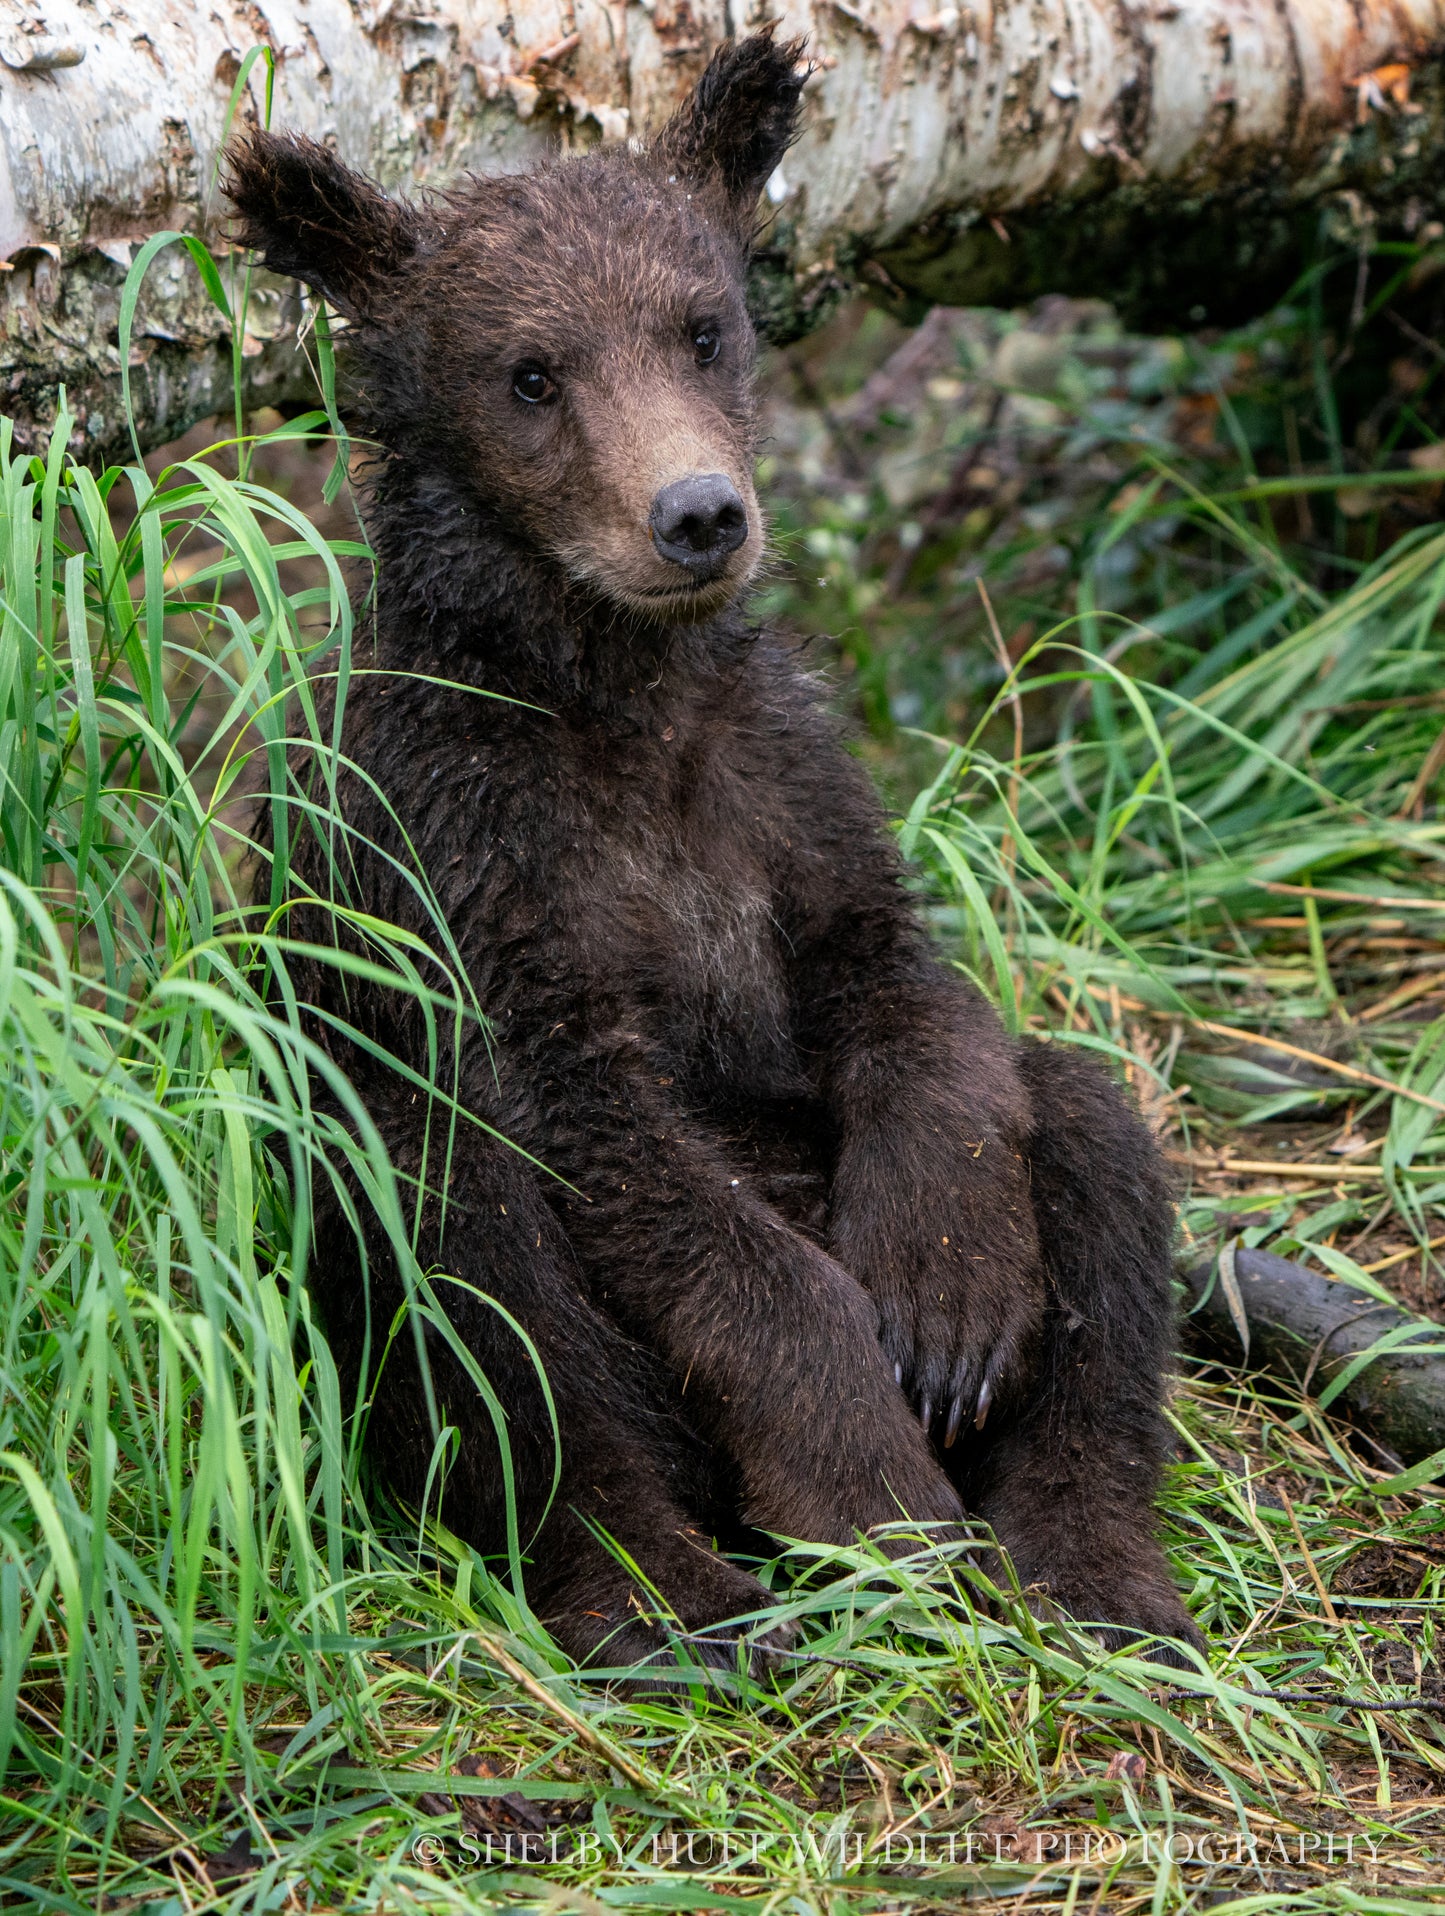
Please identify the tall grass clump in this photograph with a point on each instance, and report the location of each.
(1161, 812)
(176, 1482)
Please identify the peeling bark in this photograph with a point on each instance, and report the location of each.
(1172, 154)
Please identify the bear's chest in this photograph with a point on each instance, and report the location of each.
(689, 942)
(672, 880)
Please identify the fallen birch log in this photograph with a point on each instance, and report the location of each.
(1380, 1365)
(1176, 156)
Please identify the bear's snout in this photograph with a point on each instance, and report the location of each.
(698, 521)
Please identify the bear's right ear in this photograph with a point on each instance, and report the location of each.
(313, 219)
(738, 122)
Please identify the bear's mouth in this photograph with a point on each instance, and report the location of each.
(698, 596)
(699, 574)
(693, 588)
(690, 596)
(644, 582)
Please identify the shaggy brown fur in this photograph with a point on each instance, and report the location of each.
(824, 1246)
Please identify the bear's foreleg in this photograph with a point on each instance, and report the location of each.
(930, 1205)
(628, 1466)
(1067, 1476)
(772, 1347)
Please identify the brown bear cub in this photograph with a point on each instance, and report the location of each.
(817, 1246)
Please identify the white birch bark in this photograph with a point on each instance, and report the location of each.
(978, 152)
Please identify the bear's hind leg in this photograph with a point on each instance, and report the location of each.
(628, 1467)
(1068, 1479)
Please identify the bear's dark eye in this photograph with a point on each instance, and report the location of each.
(707, 344)
(532, 384)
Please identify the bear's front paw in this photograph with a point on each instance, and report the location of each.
(960, 1338)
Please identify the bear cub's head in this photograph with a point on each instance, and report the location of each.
(571, 347)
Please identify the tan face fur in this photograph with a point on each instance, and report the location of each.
(613, 300)
(570, 350)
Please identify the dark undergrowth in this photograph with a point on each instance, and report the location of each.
(1144, 641)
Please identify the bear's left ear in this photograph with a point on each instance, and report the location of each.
(738, 122)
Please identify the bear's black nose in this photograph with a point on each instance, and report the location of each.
(696, 522)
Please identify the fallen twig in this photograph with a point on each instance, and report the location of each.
(585, 1732)
(1365, 1354)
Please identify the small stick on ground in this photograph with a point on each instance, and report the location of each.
(1299, 1536)
(580, 1728)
